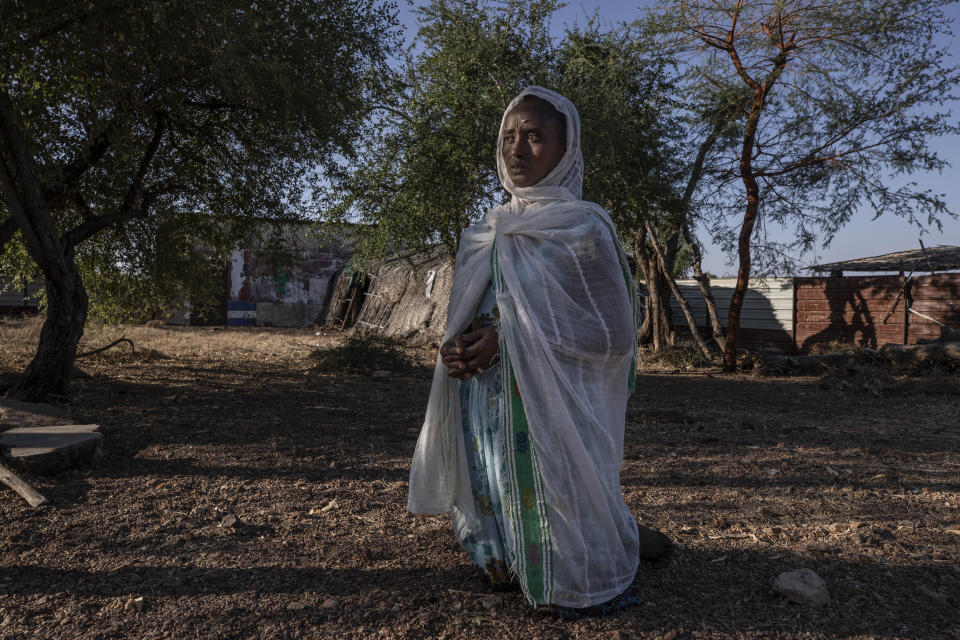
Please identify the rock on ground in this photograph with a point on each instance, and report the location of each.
(803, 587)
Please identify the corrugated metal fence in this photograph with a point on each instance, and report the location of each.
(766, 318)
(797, 313)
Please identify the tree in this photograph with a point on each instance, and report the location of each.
(132, 133)
(840, 99)
(631, 144)
(430, 171)
(428, 168)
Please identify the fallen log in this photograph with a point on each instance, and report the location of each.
(23, 488)
(946, 335)
(911, 355)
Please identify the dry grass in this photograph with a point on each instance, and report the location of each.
(683, 355)
(834, 346)
(19, 336)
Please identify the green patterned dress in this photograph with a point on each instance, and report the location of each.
(485, 539)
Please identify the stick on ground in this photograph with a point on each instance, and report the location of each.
(23, 488)
(133, 349)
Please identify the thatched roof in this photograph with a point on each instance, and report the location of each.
(939, 258)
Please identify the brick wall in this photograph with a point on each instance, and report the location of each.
(854, 309)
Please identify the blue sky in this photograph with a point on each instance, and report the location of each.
(862, 236)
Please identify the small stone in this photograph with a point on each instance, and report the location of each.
(172, 541)
(880, 532)
(296, 606)
(330, 603)
(229, 521)
(803, 587)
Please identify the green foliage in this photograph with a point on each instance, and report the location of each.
(428, 168)
(166, 131)
(630, 139)
(429, 165)
(366, 353)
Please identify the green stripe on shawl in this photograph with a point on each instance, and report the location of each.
(527, 505)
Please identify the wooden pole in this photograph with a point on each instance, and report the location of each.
(906, 310)
(23, 488)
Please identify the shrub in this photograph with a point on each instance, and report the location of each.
(365, 353)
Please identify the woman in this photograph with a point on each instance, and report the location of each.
(523, 437)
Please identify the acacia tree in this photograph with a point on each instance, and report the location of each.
(136, 131)
(841, 103)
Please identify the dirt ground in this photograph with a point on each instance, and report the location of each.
(242, 494)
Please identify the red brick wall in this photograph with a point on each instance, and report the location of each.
(937, 296)
(851, 309)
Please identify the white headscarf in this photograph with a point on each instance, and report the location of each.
(565, 181)
(568, 327)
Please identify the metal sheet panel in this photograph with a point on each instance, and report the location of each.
(767, 305)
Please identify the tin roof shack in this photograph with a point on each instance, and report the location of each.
(284, 279)
(766, 319)
(19, 297)
(872, 310)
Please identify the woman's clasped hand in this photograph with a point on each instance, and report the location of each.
(470, 353)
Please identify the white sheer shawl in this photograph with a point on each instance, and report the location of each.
(568, 323)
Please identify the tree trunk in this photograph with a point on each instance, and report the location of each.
(743, 274)
(677, 294)
(760, 92)
(658, 325)
(49, 373)
(704, 283)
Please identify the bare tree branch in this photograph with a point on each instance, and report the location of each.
(127, 209)
(383, 107)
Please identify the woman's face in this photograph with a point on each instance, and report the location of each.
(532, 145)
